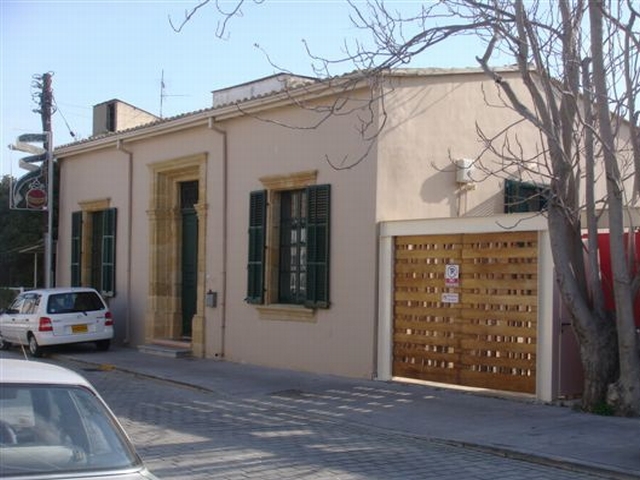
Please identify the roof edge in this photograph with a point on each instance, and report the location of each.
(313, 88)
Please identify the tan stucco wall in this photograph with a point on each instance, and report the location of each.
(100, 178)
(339, 340)
(105, 174)
(194, 146)
(432, 121)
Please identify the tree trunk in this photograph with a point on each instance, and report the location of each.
(599, 355)
(628, 385)
(596, 334)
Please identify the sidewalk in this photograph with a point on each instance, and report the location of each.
(508, 426)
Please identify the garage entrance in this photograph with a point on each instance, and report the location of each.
(465, 309)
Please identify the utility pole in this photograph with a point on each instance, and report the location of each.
(46, 112)
(28, 192)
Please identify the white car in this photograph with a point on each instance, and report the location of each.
(55, 316)
(55, 425)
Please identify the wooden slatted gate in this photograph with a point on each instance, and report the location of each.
(478, 329)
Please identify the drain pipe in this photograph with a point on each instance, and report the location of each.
(129, 153)
(223, 310)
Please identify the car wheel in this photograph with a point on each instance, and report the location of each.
(103, 345)
(4, 345)
(34, 348)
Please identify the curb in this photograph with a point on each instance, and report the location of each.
(556, 462)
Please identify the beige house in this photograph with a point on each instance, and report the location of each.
(337, 226)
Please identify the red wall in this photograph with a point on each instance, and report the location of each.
(605, 271)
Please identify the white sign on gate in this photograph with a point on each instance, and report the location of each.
(452, 275)
(450, 298)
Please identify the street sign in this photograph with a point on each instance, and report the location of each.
(23, 143)
(27, 147)
(29, 192)
(32, 137)
(34, 158)
(29, 166)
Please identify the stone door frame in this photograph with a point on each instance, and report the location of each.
(164, 317)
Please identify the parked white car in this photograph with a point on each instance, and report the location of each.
(56, 316)
(55, 425)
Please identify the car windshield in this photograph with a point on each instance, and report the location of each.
(58, 430)
(74, 302)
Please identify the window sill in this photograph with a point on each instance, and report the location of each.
(289, 313)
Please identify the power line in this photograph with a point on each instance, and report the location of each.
(71, 132)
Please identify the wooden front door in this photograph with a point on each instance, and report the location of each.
(189, 291)
(477, 327)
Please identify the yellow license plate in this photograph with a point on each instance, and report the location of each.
(79, 329)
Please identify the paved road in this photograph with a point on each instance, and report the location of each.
(189, 434)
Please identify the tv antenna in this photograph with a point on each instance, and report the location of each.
(163, 94)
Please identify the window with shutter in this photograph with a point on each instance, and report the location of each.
(93, 249)
(300, 260)
(319, 209)
(76, 249)
(108, 261)
(257, 229)
(292, 271)
(522, 197)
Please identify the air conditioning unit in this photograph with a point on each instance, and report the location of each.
(464, 170)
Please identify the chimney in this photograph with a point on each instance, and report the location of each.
(116, 115)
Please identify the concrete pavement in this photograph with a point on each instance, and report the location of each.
(512, 426)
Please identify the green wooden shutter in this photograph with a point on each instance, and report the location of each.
(108, 273)
(257, 232)
(524, 197)
(319, 212)
(76, 249)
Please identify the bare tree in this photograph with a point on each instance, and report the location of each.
(580, 63)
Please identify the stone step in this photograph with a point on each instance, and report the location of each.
(168, 342)
(167, 349)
